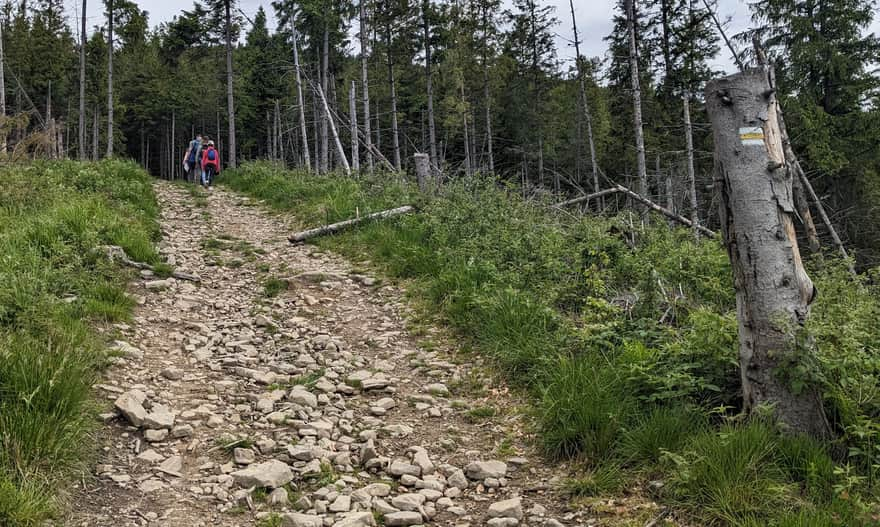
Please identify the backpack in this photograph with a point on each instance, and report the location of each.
(212, 154)
(193, 151)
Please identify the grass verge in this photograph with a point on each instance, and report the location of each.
(54, 288)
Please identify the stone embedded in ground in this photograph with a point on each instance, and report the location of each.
(278, 497)
(128, 350)
(244, 456)
(301, 395)
(131, 405)
(155, 436)
(502, 522)
(341, 504)
(480, 470)
(399, 468)
(408, 502)
(158, 418)
(511, 508)
(438, 389)
(271, 474)
(150, 456)
(402, 519)
(356, 519)
(173, 465)
(295, 519)
(172, 373)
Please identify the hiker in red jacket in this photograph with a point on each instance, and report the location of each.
(210, 164)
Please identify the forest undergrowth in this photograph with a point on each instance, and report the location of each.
(624, 338)
(56, 291)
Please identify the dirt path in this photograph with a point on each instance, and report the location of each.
(315, 407)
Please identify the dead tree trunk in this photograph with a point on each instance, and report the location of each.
(230, 99)
(352, 112)
(325, 79)
(487, 98)
(637, 102)
(329, 119)
(691, 173)
(110, 18)
(95, 135)
(467, 143)
(82, 85)
(395, 137)
(429, 86)
(586, 106)
(299, 97)
(423, 170)
(365, 84)
(2, 95)
(773, 290)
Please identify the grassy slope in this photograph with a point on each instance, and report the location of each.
(629, 354)
(53, 288)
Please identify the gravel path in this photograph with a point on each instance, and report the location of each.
(315, 407)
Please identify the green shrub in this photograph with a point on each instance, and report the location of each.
(661, 429)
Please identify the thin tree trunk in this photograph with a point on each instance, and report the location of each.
(773, 290)
(325, 79)
(486, 96)
(316, 127)
(230, 100)
(95, 135)
(585, 105)
(173, 158)
(691, 173)
(395, 137)
(432, 139)
(467, 142)
(2, 95)
(299, 97)
(332, 125)
(637, 102)
(110, 18)
(365, 85)
(352, 112)
(82, 85)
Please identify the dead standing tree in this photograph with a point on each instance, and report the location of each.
(773, 290)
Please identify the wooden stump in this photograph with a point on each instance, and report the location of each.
(773, 291)
(423, 170)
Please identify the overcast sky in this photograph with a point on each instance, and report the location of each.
(593, 20)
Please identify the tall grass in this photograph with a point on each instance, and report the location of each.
(54, 286)
(629, 352)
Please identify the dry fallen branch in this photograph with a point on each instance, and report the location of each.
(117, 254)
(336, 227)
(650, 204)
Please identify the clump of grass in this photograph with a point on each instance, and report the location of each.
(604, 479)
(583, 410)
(162, 270)
(53, 283)
(481, 413)
(274, 286)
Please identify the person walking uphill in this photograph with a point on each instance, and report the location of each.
(192, 160)
(210, 164)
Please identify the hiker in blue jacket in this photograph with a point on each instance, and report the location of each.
(192, 160)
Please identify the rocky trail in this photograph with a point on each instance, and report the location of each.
(316, 407)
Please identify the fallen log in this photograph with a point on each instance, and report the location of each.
(634, 195)
(336, 227)
(117, 254)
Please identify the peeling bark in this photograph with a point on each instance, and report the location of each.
(773, 291)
